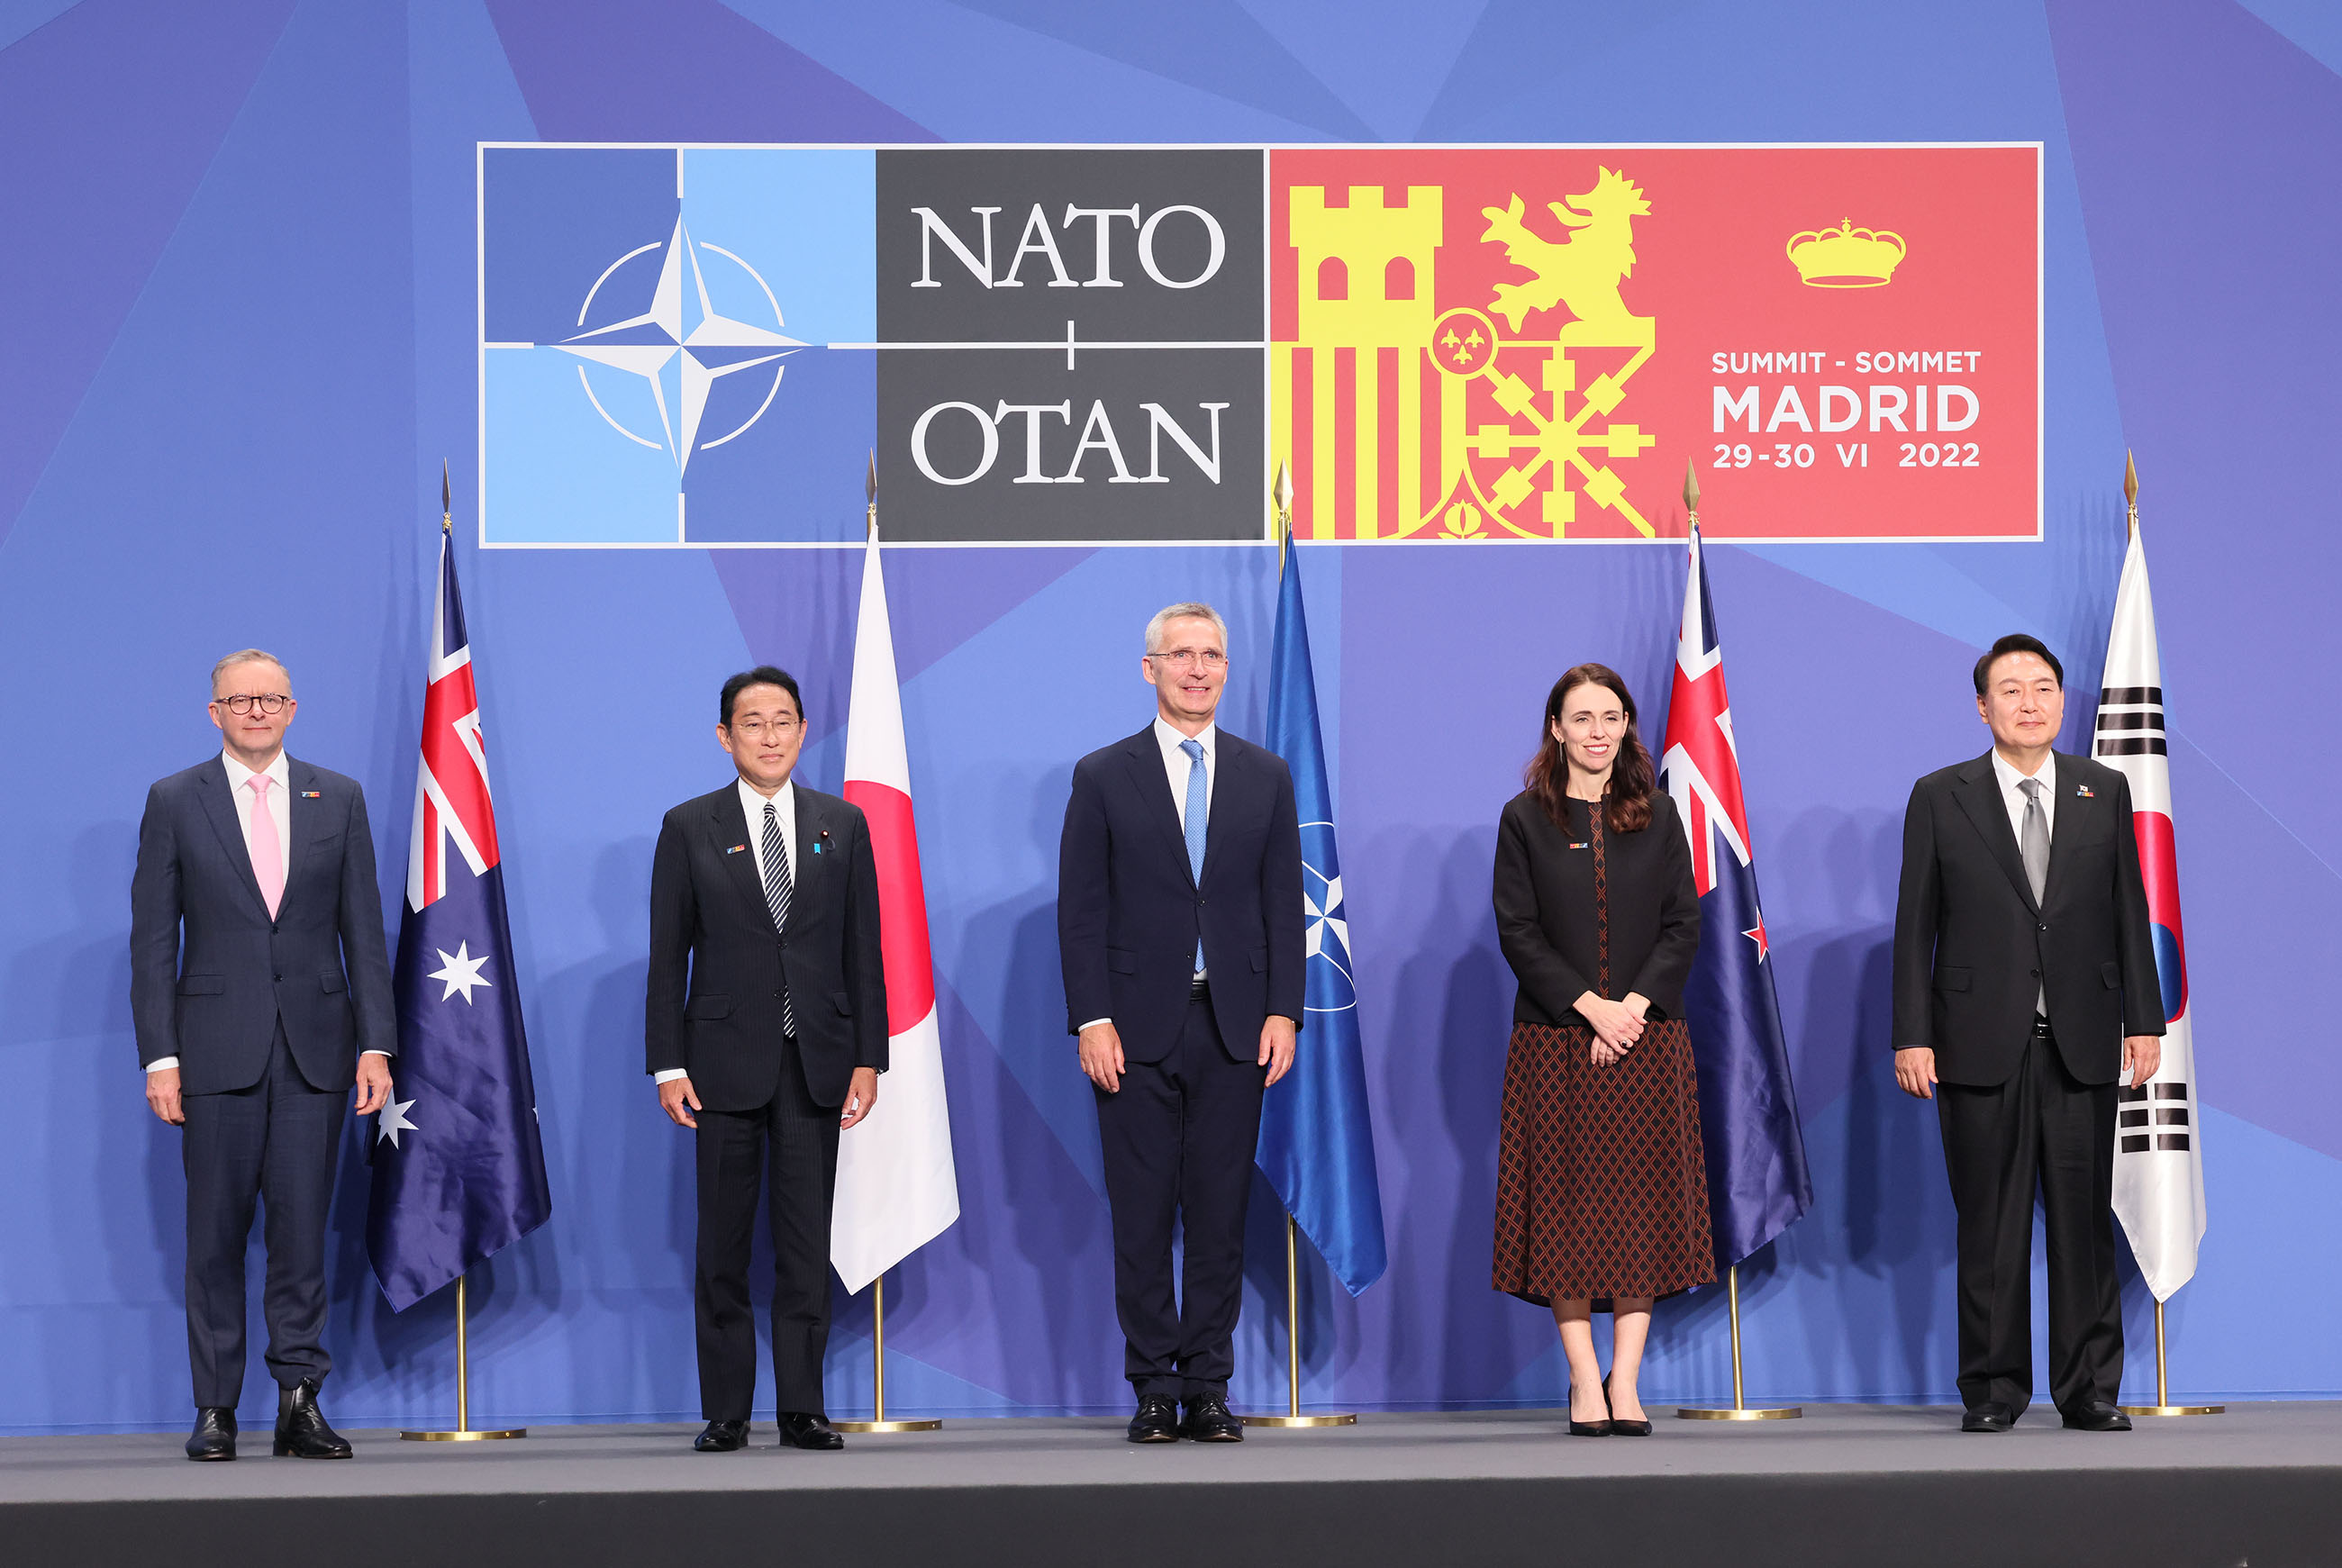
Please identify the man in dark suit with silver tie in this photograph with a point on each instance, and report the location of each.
(766, 1032)
(260, 988)
(2025, 992)
(1180, 926)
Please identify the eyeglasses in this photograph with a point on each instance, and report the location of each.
(754, 730)
(1180, 658)
(242, 702)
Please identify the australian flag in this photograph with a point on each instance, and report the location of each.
(459, 1166)
(1757, 1178)
(1316, 1144)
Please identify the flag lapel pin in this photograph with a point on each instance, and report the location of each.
(313, 795)
(2084, 792)
(1581, 846)
(735, 849)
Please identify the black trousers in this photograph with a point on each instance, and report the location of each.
(2042, 1129)
(789, 1144)
(1179, 1140)
(276, 1143)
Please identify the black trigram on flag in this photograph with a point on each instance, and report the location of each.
(2155, 1116)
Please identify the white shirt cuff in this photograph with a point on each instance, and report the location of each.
(160, 1063)
(1094, 1024)
(669, 1076)
(374, 1052)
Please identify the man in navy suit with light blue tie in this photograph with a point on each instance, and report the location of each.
(260, 989)
(1180, 925)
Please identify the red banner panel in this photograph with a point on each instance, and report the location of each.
(1534, 343)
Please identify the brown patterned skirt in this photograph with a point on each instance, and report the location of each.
(1601, 1189)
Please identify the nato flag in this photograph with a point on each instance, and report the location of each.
(458, 1167)
(1317, 1144)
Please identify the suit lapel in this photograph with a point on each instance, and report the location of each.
(1154, 783)
(1226, 780)
(219, 804)
(1979, 796)
(306, 820)
(727, 827)
(807, 867)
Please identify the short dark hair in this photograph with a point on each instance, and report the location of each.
(2017, 642)
(762, 676)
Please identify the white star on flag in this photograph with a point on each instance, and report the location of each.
(394, 1122)
(461, 971)
(1326, 916)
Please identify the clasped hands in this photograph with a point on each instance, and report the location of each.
(1617, 1025)
(1102, 1062)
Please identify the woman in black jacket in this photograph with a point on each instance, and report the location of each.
(1601, 1191)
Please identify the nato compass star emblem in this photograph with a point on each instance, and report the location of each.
(679, 344)
(1332, 987)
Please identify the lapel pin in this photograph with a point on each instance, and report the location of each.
(1581, 846)
(313, 795)
(822, 842)
(735, 849)
(2083, 791)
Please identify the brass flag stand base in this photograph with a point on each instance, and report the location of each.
(2163, 1405)
(878, 1422)
(1740, 1409)
(1293, 1417)
(463, 1432)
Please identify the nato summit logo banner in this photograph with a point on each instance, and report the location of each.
(696, 347)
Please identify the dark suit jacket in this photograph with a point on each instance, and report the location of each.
(211, 974)
(716, 967)
(1972, 948)
(1130, 912)
(1545, 919)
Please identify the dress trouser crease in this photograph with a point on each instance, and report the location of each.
(274, 1143)
(790, 1145)
(1178, 1139)
(2041, 1130)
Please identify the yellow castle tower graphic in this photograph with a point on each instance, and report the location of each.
(1367, 282)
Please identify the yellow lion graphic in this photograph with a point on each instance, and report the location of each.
(1582, 272)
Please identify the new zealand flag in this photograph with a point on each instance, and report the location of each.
(458, 1167)
(1758, 1183)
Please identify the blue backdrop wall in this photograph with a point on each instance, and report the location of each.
(240, 269)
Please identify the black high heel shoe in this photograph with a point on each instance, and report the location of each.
(1602, 1428)
(1622, 1428)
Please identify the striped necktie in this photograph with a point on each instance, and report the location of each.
(778, 888)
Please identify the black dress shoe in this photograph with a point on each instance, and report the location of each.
(1990, 1417)
(215, 1433)
(799, 1430)
(1208, 1421)
(1623, 1428)
(301, 1429)
(720, 1437)
(1594, 1428)
(2096, 1416)
(1157, 1420)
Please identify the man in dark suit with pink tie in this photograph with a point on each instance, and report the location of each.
(260, 989)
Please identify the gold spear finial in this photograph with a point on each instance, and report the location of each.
(870, 492)
(447, 516)
(1280, 490)
(2130, 489)
(1691, 488)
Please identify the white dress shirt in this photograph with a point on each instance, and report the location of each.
(783, 801)
(2012, 795)
(280, 811)
(1176, 766)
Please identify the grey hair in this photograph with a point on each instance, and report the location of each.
(1187, 611)
(248, 656)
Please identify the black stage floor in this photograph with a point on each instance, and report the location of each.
(2260, 1486)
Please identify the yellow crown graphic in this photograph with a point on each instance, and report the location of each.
(1845, 257)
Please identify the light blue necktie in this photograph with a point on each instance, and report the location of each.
(1198, 813)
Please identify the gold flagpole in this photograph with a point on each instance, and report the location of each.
(1740, 1409)
(878, 1422)
(1282, 491)
(2162, 1405)
(463, 1432)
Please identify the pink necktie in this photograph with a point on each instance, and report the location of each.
(267, 856)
